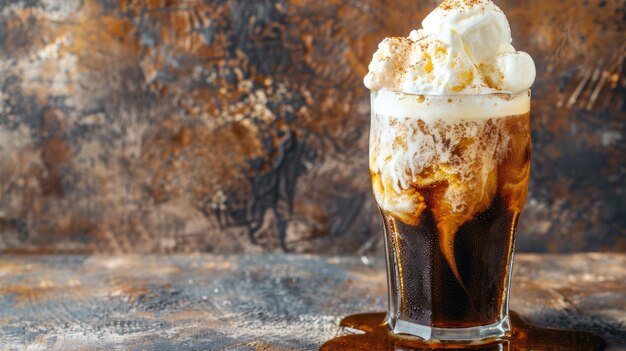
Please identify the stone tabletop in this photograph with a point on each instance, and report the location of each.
(286, 302)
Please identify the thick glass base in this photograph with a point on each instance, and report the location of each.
(371, 333)
(473, 334)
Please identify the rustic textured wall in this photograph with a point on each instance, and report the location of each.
(163, 125)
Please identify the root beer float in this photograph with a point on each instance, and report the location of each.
(450, 157)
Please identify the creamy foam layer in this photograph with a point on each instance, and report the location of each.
(452, 108)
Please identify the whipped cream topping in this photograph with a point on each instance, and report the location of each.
(464, 48)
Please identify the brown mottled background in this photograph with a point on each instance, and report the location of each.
(242, 126)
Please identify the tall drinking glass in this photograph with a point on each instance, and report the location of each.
(450, 177)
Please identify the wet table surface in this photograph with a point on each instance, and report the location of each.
(208, 302)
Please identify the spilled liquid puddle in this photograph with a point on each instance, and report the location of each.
(374, 334)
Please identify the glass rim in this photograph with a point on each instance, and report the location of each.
(496, 94)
